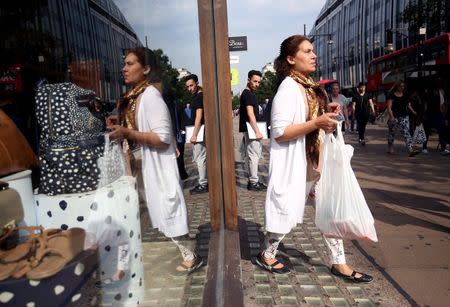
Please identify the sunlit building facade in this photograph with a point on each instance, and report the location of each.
(348, 34)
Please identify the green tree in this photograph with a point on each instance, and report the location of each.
(427, 13)
(268, 87)
(236, 102)
(173, 87)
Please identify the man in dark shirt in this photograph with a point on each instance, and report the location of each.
(249, 112)
(362, 106)
(199, 155)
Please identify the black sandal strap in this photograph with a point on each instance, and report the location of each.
(274, 264)
(354, 274)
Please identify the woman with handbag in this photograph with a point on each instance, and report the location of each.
(298, 114)
(145, 122)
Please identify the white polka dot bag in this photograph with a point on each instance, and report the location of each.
(71, 138)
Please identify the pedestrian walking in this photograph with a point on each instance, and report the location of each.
(178, 117)
(250, 112)
(145, 122)
(199, 155)
(435, 117)
(416, 112)
(298, 113)
(336, 96)
(397, 108)
(188, 113)
(362, 106)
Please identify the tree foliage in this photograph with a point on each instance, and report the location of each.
(173, 87)
(235, 102)
(427, 13)
(267, 88)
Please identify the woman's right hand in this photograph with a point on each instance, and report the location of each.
(326, 123)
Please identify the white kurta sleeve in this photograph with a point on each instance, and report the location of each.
(283, 108)
(157, 116)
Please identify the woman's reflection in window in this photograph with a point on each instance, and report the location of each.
(145, 126)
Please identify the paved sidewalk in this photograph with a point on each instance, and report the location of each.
(310, 283)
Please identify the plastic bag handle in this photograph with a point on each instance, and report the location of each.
(339, 137)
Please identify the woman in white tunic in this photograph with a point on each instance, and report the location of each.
(145, 122)
(298, 113)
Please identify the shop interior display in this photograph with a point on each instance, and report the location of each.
(86, 207)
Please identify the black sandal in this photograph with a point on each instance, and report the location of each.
(364, 278)
(271, 268)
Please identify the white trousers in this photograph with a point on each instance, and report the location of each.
(253, 152)
(186, 253)
(199, 157)
(336, 247)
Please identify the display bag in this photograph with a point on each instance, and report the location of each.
(71, 139)
(341, 209)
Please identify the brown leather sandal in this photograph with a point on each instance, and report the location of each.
(14, 259)
(56, 249)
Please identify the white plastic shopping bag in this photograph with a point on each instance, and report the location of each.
(341, 209)
(112, 164)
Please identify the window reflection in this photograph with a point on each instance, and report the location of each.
(60, 77)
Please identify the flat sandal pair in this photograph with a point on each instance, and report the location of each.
(11, 260)
(43, 254)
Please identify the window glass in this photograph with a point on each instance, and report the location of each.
(96, 92)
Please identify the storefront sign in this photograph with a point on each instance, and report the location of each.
(234, 59)
(237, 43)
(234, 76)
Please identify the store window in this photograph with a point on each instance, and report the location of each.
(106, 153)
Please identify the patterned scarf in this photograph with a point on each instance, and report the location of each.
(128, 116)
(316, 108)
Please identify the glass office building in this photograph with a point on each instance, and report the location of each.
(348, 34)
(67, 40)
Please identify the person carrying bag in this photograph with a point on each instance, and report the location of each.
(341, 209)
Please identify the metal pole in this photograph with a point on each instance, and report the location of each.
(304, 29)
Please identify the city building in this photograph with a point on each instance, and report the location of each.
(183, 72)
(348, 34)
(82, 41)
(77, 40)
(268, 67)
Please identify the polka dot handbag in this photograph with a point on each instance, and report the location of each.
(71, 139)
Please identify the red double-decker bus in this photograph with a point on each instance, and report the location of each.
(403, 65)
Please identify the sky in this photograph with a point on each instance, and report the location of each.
(172, 25)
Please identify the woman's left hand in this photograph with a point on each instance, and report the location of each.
(117, 132)
(334, 107)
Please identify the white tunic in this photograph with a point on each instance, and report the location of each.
(165, 201)
(285, 200)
